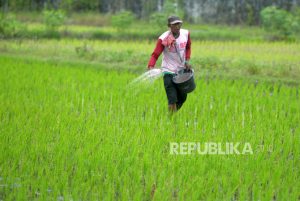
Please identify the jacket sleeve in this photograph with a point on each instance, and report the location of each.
(188, 50)
(156, 53)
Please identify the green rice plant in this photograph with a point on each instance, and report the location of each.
(260, 60)
(78, 131)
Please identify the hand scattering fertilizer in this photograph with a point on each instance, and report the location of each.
(150, 75)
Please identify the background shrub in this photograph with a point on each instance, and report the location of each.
(53, 19)
(159, 19)
(122, 20)
(9, 26)
(280, 23)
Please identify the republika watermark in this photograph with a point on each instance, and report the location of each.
(210, 148)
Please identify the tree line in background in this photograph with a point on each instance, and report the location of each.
(216, 11)
(282, 24)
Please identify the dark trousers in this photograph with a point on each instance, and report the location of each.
(173, 93)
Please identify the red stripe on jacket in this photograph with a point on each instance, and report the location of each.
(160, 48)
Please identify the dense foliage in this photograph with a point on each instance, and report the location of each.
(10, 26)
(217, 11)
(122, 20)
(281, 23)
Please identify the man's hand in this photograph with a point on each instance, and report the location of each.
(187, 65)
(150, 67)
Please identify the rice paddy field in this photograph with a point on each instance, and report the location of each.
(74, 127)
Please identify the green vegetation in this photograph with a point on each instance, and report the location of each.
(122, 21)
(78, 132)
(97, 26)
(217, 11)
(53, 19)
(158, 19)
(74, 127)
(261, 60)
(10, 26)
(280, 23)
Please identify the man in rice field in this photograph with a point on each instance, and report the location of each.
(175, 44)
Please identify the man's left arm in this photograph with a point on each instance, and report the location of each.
(188, 50)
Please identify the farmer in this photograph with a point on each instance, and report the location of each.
(175, 44)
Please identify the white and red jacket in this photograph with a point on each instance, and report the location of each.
(171, 62)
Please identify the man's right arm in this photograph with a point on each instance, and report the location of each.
(156, 53)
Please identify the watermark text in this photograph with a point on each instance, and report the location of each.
(210, 148)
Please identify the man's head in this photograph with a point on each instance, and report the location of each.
(174, 20)
(174, 23)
